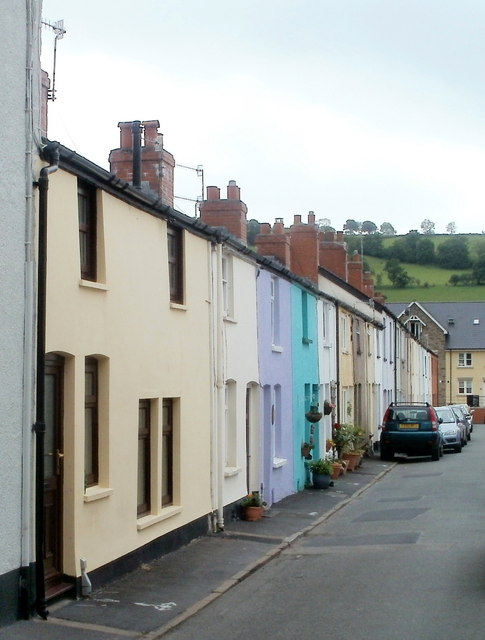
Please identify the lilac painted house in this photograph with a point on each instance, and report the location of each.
(275, 366)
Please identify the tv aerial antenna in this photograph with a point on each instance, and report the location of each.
(58, 28)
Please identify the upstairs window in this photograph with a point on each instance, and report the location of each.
(275, 311)
(175, 264)
(464, 359)
(227, 287)
(86, 199)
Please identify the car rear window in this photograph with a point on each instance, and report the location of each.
(402, 418)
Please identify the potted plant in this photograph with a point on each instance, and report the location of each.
(328, 407)
(321, 473)
(252, 506)
(314, 414)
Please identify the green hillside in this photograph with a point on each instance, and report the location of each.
(433, 282)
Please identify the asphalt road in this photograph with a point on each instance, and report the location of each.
(404, 561)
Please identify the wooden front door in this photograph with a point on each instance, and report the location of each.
(53, 454)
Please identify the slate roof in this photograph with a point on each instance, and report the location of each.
(464, 332)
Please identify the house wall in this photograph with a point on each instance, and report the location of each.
(475, 373)
(276, 379)
(241, 371)
(146, 348)
(19, 111)
(327, 364)
(306, 383)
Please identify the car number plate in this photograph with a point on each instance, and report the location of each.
(409, 426)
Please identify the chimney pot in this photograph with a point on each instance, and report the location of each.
(213, 193)
(233, 191)
(126, 135)
(296, 219)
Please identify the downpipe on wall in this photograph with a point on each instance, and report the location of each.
(51, 154)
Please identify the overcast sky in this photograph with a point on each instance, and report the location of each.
(361, 109)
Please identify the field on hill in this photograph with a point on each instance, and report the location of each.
(433, 283)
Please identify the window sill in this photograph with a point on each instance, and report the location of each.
(279, 462)
(178, 306)
(97, 493)
(231, 471)
(276, 349)
(230, 319)
(151, 519)
(88, 284)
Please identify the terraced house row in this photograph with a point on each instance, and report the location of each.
(155, 367)
(180, 363)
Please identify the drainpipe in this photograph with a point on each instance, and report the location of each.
(51, 152)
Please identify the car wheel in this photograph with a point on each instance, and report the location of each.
(435, 453)
(469, 437)
(458, 448)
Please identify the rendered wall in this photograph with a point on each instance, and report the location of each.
(149, 349)
(277, 383)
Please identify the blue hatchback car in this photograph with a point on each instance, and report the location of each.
(412, 429)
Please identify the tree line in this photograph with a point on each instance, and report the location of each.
(414, 248)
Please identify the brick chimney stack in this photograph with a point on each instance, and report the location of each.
(230, 213)
(333, 253)
(157, 164)
(274, 242)
(304, 247)
(356, 276)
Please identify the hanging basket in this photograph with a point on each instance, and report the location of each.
(327, 408)
(314, 415)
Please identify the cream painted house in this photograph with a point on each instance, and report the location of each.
(128, 318)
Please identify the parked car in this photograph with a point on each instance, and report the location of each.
(451, 429)
(467, 424)
(468, 414)
(411, 428)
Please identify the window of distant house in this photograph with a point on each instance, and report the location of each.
(86, 198)
(358, 343)
(227, 287)
(415, 326)
(464, 386)
(464, 359)
(175, 264)
(144, 449)
(275, 311)
(91, 436)
(344, 332)
(304, 318)
(167, 451)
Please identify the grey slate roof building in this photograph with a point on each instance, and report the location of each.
(447, 327)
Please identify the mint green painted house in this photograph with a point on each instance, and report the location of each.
(306, 386)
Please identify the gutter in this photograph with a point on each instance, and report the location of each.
(51, 153)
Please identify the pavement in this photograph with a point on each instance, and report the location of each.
(158, 596)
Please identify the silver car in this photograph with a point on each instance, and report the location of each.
(451, 429)
(465, 421)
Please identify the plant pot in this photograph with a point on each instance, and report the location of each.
(321, 480)
(337, 470)
(327, 408)
(352, 459)
(253, 513)
(313, 416)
